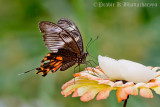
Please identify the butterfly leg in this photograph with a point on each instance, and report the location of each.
(79, 68)
(86, 65)
(92, 61)
(88, 62)
(75, 71)
(91, 66)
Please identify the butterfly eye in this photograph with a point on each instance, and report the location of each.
(86, 53)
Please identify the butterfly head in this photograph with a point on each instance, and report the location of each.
(84, 56)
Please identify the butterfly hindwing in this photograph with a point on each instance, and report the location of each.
(53, 64)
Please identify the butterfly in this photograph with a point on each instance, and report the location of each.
(64, 40)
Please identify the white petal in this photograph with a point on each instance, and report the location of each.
(125, 70)
(110, 67)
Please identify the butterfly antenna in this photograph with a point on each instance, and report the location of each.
(93, 57)
(89, 44)
(26, 71)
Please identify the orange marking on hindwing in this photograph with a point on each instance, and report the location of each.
(49, 54)
(56, 66)
(42, 68)
(45, 58)
(52, 63)
(55, 62)
(47, 70)
(59, 58)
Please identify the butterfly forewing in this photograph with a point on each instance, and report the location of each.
(72, 29)
(56, 37)
(51, 35)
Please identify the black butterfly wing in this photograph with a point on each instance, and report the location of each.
(72, 29)
(56, 38)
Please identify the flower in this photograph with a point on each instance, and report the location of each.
(126, 77)
(125, 70)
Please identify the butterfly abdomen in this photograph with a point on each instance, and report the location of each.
(67, 65)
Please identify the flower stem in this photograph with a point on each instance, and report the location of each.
(125, 102)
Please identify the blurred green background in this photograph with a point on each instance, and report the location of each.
(131, 33)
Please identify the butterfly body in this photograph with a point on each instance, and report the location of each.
(65, 43)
